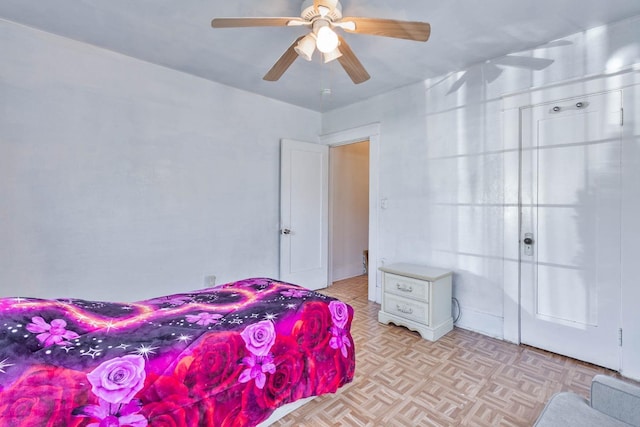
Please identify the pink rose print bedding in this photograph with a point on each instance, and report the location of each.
(223, 356)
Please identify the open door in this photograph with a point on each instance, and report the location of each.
(304, 196)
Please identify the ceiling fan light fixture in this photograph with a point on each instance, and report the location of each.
(323, 10)
(330, 56)
(327, 39)
(306, 47)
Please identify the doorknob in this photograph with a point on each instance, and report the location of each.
(528, 244)
(285, 231)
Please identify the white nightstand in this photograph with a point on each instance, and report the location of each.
(417, 297)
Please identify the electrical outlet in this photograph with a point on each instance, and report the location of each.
(209, 281)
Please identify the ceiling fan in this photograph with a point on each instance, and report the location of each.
(323, 17)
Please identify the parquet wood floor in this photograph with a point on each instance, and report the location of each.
(463, 379)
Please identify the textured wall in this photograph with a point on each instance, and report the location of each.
(120, 179)
(449, 176)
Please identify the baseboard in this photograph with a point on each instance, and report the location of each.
(481, 322)
(343, 275)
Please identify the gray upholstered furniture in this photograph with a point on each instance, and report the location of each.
(613, 403)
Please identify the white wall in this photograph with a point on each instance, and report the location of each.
(120, 179)
(349, 166)
(446, 170)
(123, 180)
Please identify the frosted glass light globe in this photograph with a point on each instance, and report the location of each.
(327, 40)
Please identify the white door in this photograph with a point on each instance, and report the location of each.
(304, 189)
(570, 227)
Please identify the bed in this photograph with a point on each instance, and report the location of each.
(222, 356)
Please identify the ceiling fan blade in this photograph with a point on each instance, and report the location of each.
(351, 64)
(410, 30)
(283, 63)
(252, 22)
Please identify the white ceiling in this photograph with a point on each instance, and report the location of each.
(177, 34)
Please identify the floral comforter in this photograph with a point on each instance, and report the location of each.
(223, 356)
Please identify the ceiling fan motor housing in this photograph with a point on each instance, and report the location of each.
(308, 12)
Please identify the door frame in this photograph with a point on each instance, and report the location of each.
(370, 132)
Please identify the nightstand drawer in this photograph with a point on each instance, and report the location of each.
(406, 287)
(409, 309)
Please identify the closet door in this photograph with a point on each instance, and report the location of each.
(570, 227)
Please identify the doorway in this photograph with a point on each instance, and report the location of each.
(349, 210)
(370, 132)
(570, 241)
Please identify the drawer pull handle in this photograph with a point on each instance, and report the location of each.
(404, 310)
(404, 288)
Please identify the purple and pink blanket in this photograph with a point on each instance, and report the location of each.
(223, 356)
